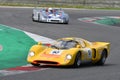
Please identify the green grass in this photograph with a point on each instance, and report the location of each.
(16, 45)
(59, 6)
(16, 4)
(108, 21)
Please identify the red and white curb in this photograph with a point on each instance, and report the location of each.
(38, 38)
(93, 19)
(20, 69)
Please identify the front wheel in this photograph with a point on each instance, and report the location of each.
(66, 21)
(37, 65)
(77, 62)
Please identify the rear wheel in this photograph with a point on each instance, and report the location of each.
(77, 61)
(33, 18)
(103, 58)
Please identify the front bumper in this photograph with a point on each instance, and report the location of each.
(55, 20)
(52, 20)
(51, 60)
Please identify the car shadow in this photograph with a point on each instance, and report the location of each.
(82, 66)
(51, 23)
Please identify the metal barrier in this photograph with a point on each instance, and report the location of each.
(92, 3)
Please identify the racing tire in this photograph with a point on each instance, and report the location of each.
(37, 65)
(39, 17)
(103, 58)
(65, 21)
(77, 61)
(33, 18)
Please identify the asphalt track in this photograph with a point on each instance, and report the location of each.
(21, 19)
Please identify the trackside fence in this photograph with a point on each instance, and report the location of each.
(92, 3)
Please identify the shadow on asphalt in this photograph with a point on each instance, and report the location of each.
(51, 23)
(82, 66)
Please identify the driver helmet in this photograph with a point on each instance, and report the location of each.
(50, 9)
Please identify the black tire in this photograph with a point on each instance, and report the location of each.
(103, 58)
(65, 21)
(33, 18)
(37, 65)
(77, 61)
(39, 17)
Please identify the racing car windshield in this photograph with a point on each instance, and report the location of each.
(61, 44)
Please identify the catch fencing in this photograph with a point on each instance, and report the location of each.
(92, 3)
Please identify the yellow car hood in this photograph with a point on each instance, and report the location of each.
(51, 54)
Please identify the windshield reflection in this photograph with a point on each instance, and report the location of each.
(61, 44)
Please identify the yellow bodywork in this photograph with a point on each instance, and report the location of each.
(90, 52)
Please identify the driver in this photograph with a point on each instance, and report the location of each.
(50, 10)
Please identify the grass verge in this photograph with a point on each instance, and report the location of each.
(81, 6)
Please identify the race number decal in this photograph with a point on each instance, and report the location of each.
(56, 52)
(89, 52)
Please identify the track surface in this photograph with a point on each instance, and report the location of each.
(21, 19)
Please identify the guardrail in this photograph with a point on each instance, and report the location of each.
(92, 3)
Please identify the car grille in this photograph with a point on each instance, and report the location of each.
(46, 62)
(54, 20)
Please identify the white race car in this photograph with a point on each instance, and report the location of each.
(50, 15)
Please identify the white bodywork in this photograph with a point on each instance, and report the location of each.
(56, 17)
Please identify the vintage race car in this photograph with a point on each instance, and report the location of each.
(50, 15)
(69, 51)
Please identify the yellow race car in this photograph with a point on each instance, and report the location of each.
(69, 51)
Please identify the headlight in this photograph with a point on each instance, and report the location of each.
(31, 54)
(68, 56)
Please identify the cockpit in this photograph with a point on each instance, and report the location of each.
(65, 44)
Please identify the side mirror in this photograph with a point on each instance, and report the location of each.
(78, 46)
(39, 43)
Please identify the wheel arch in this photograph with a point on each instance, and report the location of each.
(106, 52)
(95, 52)
(76, 62)
(78, 52)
